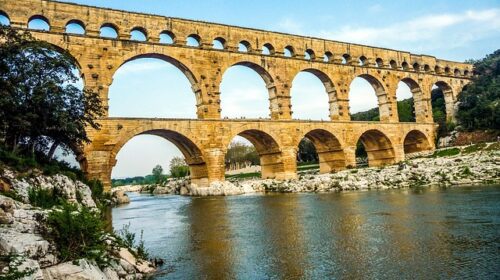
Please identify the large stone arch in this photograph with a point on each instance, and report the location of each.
(268, 148)
(420, 102)
(329, 148)
(331, 91)
(379, 147)
(180, 65)
(416, 141)
(384, 104)
(190, 150)
(266, 77)
(449, 98)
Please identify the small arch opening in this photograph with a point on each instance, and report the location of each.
(346, 58)
(362, 60)
(416, 67)
(393, 64)
(437, 69)
(427, 68)
(289, 51)
(379, 62)
(138, 34)
(457, 72)
(75, 27)
(193, 40)
(327, 57)
(309, 54)
(244, 46)
(4, 19)
(167, 38)
(447, 70)
(267, 49)
(405, 66)
(219, 43)
(39, 22)
(109, 30)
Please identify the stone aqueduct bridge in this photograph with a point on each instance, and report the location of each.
(204, 141)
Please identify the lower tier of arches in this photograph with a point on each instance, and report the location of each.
(204, 144)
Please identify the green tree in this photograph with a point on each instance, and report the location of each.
(307, 151)
(39, 104)
(158, 173)
(178, 167)
(479, 102)
(240, 154)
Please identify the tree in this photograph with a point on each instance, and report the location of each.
(479, 102)
(178, 167)
(307, 151)
(241, 155)
(158, 173)
(39, 104)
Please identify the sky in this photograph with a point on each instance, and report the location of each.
(455, 30)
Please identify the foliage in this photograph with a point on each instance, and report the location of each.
(307, 151)
(240, 154)
(244, 175)
(77, 233)
(178, 168)
(406, 110)
(446, 152)
(369, 115)
(13, 262)
(479, 102)
(127, 238)
(474, 148)
(138, 180)
(44, 198)
(158, 174)
(39, 104)
(360, 150)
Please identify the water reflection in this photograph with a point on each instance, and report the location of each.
(431, 233)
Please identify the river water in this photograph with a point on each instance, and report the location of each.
(430, 233)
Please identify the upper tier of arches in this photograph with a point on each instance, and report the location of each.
(151, 29)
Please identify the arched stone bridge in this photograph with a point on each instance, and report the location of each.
(276, 57)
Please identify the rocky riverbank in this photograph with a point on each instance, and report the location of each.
(467, 165)
(27, 253)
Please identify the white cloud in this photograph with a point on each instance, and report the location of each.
(424, 33)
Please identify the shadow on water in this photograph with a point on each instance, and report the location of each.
(422, 233)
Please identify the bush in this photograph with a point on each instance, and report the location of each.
(446, 152)
(44, 198)
(127, 239)
(474, 148)
(77, 233)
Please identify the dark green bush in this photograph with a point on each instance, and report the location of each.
(76, 233)
(44, 198)
(446, 152)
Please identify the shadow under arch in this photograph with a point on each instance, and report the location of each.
(420, 103)
(416, 141)
(333, 108)
(382, 99)
(329, 149)
(268, 150)
(191, 152)
(378, 147)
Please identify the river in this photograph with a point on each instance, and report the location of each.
(429, 233)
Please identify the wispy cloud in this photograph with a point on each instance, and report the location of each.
(424, 33)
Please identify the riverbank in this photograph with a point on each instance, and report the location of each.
(37, 239)
(466, 165)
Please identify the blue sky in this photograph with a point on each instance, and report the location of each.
(454, 30)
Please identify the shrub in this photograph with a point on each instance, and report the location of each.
(127, 239)
(12, 263)
(474, 148)
(44, 198)
(77, 233)
(446, 152)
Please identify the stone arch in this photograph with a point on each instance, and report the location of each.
(384, 105)
(416, 141)
(327, 57)
(190, 150)
(112, 26)
(267, 148)
(420, 103)
(167, 37)
(173, 61)
(139, 30)
(334, 109)
(244, 46)
(219, 43)
(363, 60)
(449, 98)
(309, 55)
(289, 51)
(379, 148)
(393, 64)
(268, 49)
(379, 62)
(2, 13)
(193, 40)
(42, 18)
(76, 22)
(329, 149)
(266, 77)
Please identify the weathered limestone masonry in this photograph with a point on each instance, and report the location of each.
(204, 140)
